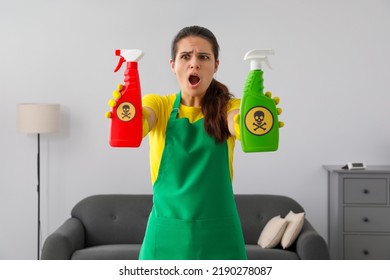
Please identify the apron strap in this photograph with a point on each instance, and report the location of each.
(176, 105)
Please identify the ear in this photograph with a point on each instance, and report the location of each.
(172, 63)
(216, 65)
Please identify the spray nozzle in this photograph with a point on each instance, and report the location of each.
(128, 55)
(257, 57)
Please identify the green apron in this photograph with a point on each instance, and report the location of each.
(194, 215)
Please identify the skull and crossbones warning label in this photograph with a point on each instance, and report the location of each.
(125, 111)
(259, 120)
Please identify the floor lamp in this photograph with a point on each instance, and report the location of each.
(37, 119)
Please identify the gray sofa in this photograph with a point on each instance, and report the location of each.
(112, 227)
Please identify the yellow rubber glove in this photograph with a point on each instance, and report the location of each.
(278, 110)
(112, 102)
(116, 94)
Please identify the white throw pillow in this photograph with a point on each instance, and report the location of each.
(294, 226)
(272, 232)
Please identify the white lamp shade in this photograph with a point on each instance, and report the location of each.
(38, 118)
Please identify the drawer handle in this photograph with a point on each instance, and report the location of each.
(365, 252)
(365, 191)
(366, 220)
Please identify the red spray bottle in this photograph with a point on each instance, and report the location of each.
(126, 116)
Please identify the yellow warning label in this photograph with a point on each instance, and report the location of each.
(125, 111)
(259, 120)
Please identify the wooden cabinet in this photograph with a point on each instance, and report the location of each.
(359, 212)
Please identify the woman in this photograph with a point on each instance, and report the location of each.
(192, 135)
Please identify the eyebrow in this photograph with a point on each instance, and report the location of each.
(191, 52)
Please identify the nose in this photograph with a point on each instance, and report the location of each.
(194, 63)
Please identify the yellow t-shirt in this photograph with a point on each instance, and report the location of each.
(162, 106)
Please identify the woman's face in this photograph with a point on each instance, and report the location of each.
(194, 66)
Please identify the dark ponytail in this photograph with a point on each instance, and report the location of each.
(215, 101)
(214, 108)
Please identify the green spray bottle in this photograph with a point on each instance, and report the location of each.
(259, 125)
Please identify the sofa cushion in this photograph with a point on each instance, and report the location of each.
(272, 232)
(294, 227)
(113, 219)
(108, 252)
(256, 210)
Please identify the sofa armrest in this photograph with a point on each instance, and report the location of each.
(61, 244)
(310, 245)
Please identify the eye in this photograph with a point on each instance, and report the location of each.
(185, 56)
(204, 57)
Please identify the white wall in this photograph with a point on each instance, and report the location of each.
(331, 70)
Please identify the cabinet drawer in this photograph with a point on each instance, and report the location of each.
(367, 219)
(373, 191)
(366, 247)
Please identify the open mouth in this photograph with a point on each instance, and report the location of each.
(194, 80)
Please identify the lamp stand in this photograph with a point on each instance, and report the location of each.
(37, 118)
(39, 196)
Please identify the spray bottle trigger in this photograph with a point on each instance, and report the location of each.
(121, 60)
(267, 62)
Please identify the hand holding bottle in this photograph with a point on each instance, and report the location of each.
(237, 116)
(116, 94)
(278, 109)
